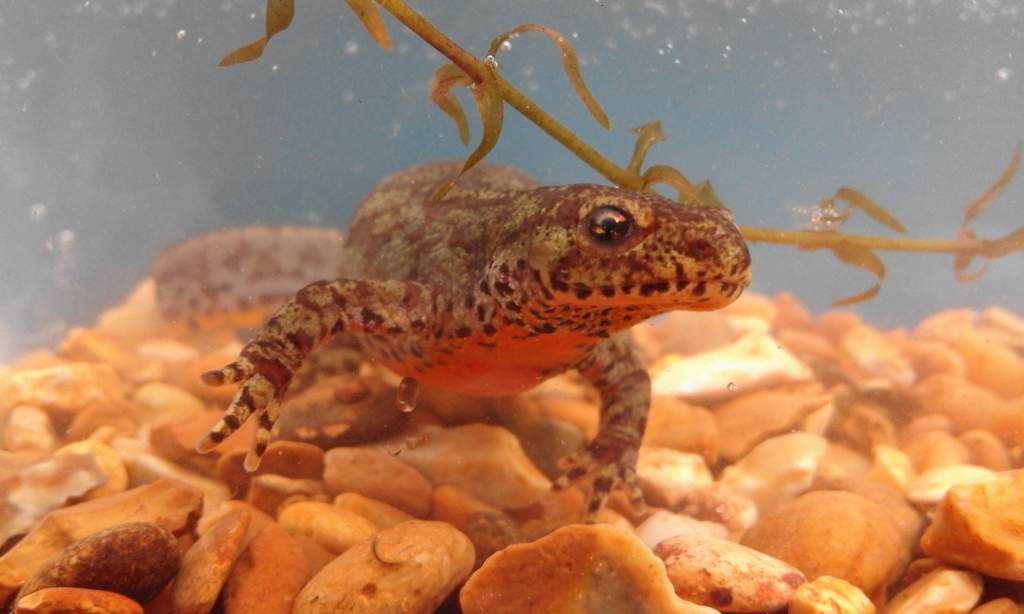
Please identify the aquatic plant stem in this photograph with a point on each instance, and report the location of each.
(809, 239)
(531, 110)
(632, 180)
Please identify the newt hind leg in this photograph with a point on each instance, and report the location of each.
(268, 363)
(610, 459)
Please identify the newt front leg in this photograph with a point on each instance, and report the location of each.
(319, 311)
(613, 367)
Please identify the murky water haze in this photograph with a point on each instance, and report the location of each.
(119, 135)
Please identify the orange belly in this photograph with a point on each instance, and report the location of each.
(512, 366)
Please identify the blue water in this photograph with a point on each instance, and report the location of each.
(119, 134)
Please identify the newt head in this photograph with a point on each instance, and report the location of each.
(598, 246)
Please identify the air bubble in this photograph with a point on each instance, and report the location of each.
(407, 394)
(351, 48)
(731, 386)
(37, 212)
(1003, 74)
(181, 34)
(491, 61)
(506, 45)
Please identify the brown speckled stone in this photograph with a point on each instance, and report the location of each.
(134, 559)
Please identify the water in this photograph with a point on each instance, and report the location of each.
(116, 116)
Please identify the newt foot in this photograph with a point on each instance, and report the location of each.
(597, 475)
(264, 383)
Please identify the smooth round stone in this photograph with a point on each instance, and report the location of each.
(67, 600)
(727, 576)
(411, 567)
(135, 559)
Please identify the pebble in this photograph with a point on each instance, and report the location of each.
(28, 429)
(381, 514)
(485, 461)
(271, 493)
(720, 504)
(545, 440)
(777, 469)
(980, 526)
(342, 410)
(674, 423)
(63, 390)
(929, 487)
(932, 449)
(1003, 605)
(44, 486)
(664, 524)
(268, 575)
(106, 459)
(753, 361)
(829, 595)
(169, 504)
(891, 466)
(875, 355)
(119, 415)
(575, 570)
(134, 559)
(749, 419)
(290, 459)
(206, 565)
(175, 440)
(991, 364)
(864, 425)
(666, 475)
(412, 567)
(66, 600)
(986, 450)
(162, 402)
(942, 591)
(834, 533)
(336, 530)
(144, 468)
(725, 575)
(379, 476)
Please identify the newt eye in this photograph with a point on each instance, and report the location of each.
(609, 225)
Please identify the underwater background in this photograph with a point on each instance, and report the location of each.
(119, 135)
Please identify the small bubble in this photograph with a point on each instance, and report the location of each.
(62, 242)
(37, 212)
(506, 45)
(351, 48)
(348, 96)
(731, 386)
(181, 35)
(1003, 74)
(575, 34)
(491, 61)
(407, 395)
(273, 68)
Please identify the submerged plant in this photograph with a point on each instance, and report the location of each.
(491, 92)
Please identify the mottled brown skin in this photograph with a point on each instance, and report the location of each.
(488, 292)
